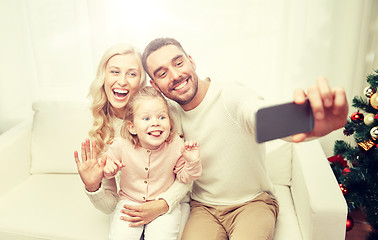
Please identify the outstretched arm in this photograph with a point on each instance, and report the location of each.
(329, 105)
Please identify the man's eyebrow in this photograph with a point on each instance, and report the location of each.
(157, 70)
(177, 57)
(173, 60)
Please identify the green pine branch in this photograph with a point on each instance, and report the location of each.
(363, 104)
(372, 79)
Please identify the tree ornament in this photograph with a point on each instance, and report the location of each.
(343, 189)
(349, 223)
(357, 117)
(369, 119)
(338, 160)
(374, 100)
(366, 145)
(346, 171)
(368, 92)
(348, 131)
(374, 133)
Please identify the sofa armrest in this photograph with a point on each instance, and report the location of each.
(319, 204)
(15, 155)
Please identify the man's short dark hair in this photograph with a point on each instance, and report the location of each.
(156, 44)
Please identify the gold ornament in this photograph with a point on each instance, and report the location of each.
(374, 100)
(366, 145)
(369, 119)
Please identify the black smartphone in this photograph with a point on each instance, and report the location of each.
(283, 120)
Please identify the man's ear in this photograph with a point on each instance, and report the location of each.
(192, 62)
(153, 84)
(130, 127)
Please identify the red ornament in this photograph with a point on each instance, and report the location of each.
(349, 223)
(357, 117)
(346, 170)
(339, 160)
(343, 189)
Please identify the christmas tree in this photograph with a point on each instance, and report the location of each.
(355, 163)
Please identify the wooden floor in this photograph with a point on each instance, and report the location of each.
(361, 228)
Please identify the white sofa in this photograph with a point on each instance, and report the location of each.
(42, 197)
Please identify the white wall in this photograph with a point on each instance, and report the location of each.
(50, 48)
(15, 64)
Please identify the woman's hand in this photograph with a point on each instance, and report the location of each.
(145, 213)
(90, 170)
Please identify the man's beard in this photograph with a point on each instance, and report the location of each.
(194, 88)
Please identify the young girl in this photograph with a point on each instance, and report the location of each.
(150, 155)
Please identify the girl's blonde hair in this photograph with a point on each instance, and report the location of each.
(103, 114)
(145, 92)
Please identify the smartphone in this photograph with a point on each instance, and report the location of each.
(283, 120)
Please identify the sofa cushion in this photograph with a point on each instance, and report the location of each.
(56, 207)
(58, 129)
(287, 222)
(279, 161)
(51, 206)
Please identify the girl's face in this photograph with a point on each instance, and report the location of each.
(122, 78)
(151, 122)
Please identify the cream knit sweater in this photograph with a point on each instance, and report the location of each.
(233, 163)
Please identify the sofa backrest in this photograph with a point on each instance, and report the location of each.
(59, 127)
(279, 161)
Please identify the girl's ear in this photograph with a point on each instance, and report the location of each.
(130, 127)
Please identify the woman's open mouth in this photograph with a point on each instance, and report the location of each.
(120, 94)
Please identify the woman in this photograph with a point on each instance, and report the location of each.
(119, 75)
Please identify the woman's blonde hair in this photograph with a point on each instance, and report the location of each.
(145, 92)
(103, 114)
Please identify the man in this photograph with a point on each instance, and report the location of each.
(233, 199)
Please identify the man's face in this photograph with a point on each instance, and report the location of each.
(173, 73)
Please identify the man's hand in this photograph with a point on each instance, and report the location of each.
(329, 105)
(145, 213)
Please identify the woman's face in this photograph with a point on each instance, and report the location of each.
(122, 78)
